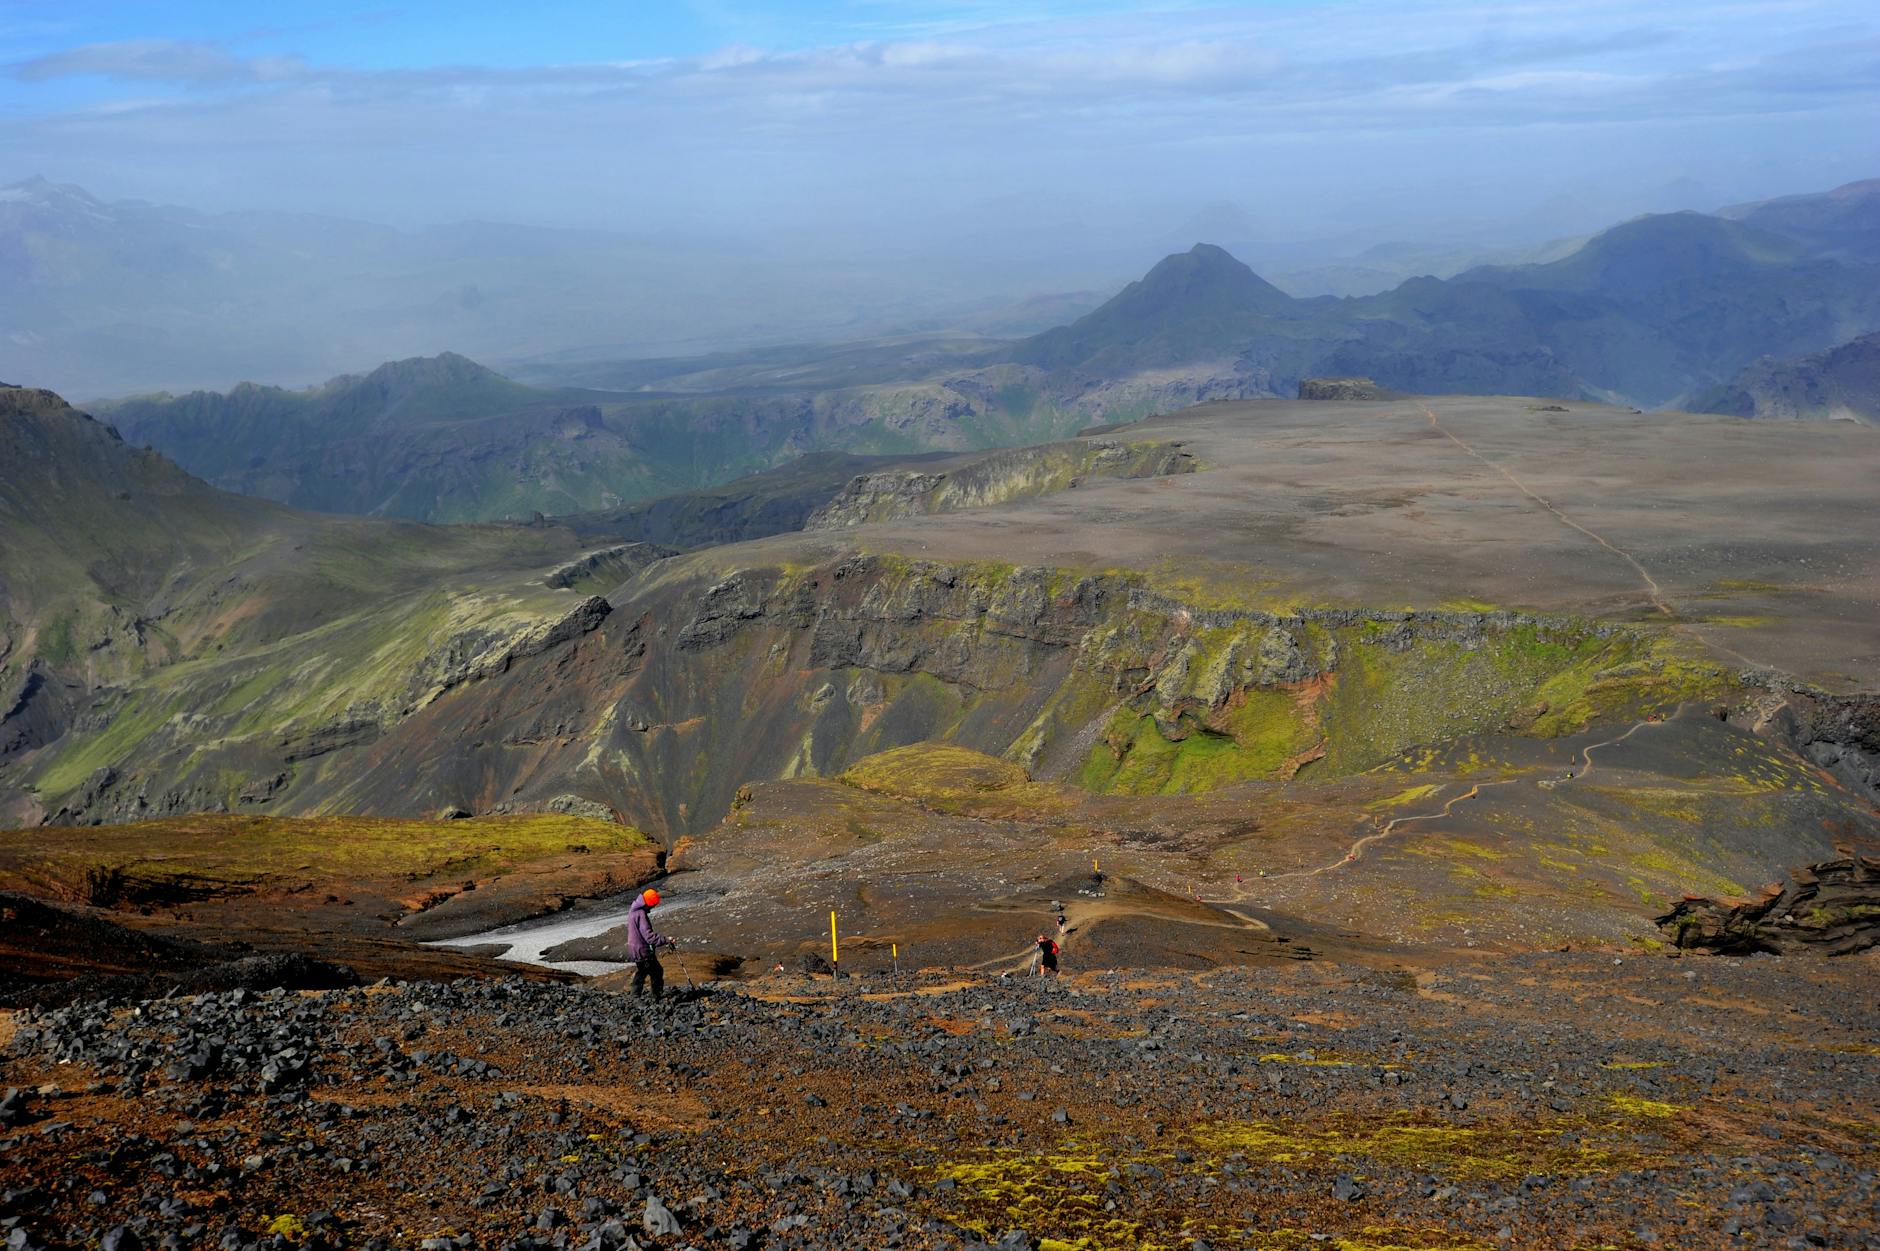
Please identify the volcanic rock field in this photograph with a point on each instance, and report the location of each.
(1576, 1100)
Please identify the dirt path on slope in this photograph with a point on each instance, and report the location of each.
(1242, 893)
(1653, 591)
(1081, 913)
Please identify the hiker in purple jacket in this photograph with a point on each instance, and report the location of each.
(643, 944)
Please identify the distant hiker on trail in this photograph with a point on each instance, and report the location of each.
(643, 944)
(1064, 923)
(1047, 957)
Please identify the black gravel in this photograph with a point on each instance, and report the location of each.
(1536, 1102)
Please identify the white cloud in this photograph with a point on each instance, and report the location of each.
(1111, 114)
(158, 60)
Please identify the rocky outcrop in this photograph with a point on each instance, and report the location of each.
(36, 707)
(876, 497)
(1838, 385)
(483, 653)
(610, 565)
(334, 735)
(1840, 733)
(1000, 478)
(721, 610)
(1832, 908)
(1342, 389)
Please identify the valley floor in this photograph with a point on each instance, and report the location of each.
(1544, 1100)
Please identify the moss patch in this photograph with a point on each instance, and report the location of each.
(1060, 1192)
(1370, 1238)
(1256, 734)
(1570, 1146)
(955, 780)
(1653, 1109)
(217, 851)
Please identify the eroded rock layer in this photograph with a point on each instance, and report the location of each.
(1832, 907)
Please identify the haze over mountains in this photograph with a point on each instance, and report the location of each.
(108, 298)
(1660, 311)
(113, 298)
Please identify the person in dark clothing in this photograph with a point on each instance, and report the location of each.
(1047, 957)
(643, 944)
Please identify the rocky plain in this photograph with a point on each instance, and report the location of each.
(1585, 1100)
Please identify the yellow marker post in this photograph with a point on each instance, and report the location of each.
(835, 956)
(895, 950)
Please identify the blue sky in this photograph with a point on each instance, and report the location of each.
(382, 35)
(932, 127)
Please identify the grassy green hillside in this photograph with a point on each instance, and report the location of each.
(133, 595)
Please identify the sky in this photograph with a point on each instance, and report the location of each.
(946, 130)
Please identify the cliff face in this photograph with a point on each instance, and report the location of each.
(659, 705)
(698, 682)
(1342, 389)
(249, 734)
(169, 645)
(999, 478)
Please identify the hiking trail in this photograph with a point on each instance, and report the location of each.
(1653, 591)
(1081, 913)
(1356, 849)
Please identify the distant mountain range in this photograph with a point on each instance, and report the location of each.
(444, 439)
(438, 438)
(1843, 223)
(1645, 313)
(1661, 311)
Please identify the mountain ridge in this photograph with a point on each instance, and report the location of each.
(121, 573)
(1841, 384)
(1844, 221)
